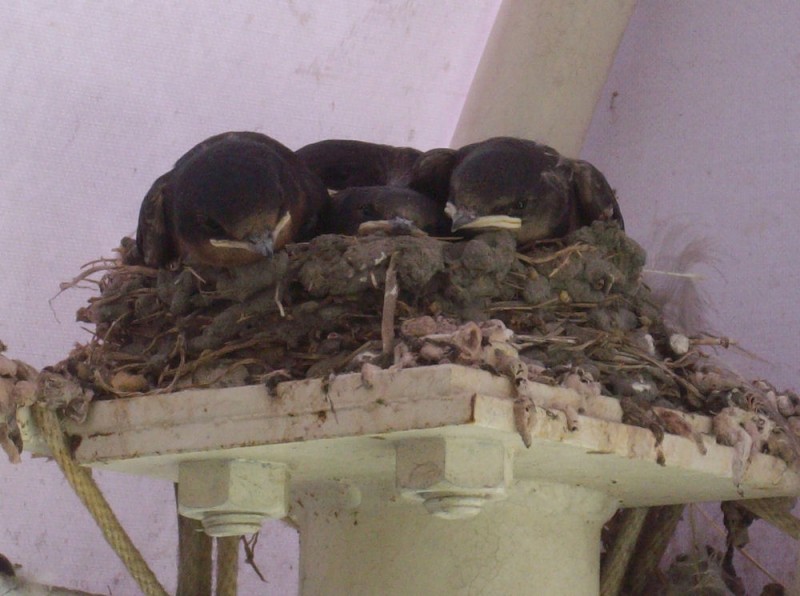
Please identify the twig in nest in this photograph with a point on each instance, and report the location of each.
(225, 371)
(326, 388)
(278, 300)
(614, 367)
(560, 266)
(250, 554)
(64, 286)
(514, 286)
(500, 306)
(111, 327)
(194, 273)
(390, 291)
(583, 346)
(134, 359)
(107, 299)
(138, 270)
(83, 276)
(694, 276)
(180, 342)
(108, 262)
(183, 368)
(724, 342)
(158, 337)
(551, 257)
(526, 341)
(692, 392)
(688, 359)
(101, 382)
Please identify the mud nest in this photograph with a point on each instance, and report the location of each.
(318, 309)
(573, 312)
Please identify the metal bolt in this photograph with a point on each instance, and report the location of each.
(232, 497)
(453, 476)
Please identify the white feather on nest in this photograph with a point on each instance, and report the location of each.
(678, 255)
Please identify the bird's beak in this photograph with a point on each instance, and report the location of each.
(460, 217)
(281, 226)
(262, 244)
(464, 220)
(282, 231)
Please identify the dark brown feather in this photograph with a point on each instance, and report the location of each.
(154, 232)
(351, 207)
(342, 163)
(546, 193)
(234, 187)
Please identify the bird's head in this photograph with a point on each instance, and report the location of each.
(483, 198)
(354, 206)
(465, 218)
(261, 237)
(223, 240)
(502, 184)
(229, 204)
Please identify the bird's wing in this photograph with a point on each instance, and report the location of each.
(341, 163)
(595, 199)
(154, 232)
(431, 173)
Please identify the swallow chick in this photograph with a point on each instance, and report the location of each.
(395, 207)
(431, 172)
(230, 200)
(342, 163)
(515, 184)
(6, 567)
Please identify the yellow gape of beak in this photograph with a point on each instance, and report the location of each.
(262, 244)
(284, 221)
(464, 220)
(494, 222)
(240, 244)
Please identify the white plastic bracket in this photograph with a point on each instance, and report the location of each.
(232, 497)
(452, 476)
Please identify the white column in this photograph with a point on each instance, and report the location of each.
(542, 71)
(543, 539)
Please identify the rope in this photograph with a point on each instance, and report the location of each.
(227, 565)
(194, 557)
(616, 563)
(89, 493)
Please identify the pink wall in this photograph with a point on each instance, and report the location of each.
(705, 130)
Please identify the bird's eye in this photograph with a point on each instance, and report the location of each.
(521, 204)
(213, 227)
(368, 211)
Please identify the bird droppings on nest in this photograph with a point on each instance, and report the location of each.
(17, 390)
(572, 313)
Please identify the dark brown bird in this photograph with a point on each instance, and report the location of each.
(232, 199)
(516, 184)
(354, 206)
(6, 567)
(372, 182)
(342, 164)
